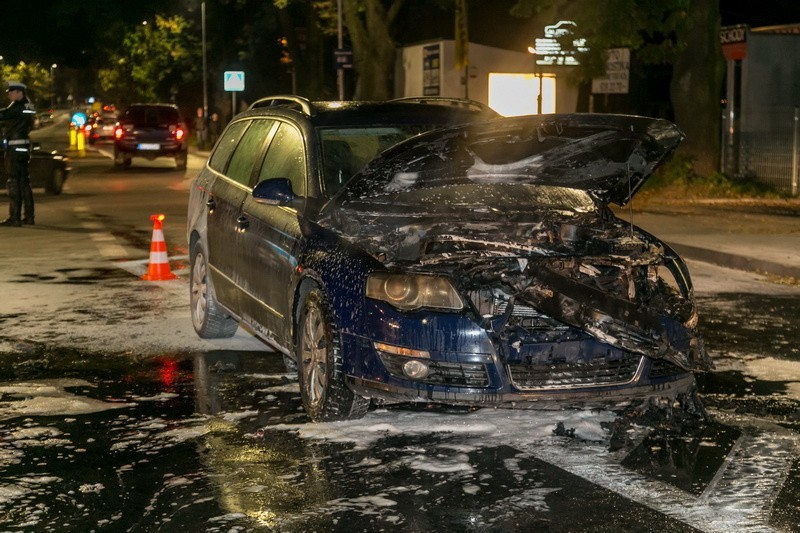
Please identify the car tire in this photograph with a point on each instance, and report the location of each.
(55, 182)
(120, 161)
(325, 395)
(210, 321)
(180, 161)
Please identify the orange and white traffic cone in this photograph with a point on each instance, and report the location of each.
(159, 264)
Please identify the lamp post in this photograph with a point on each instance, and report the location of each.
(53, 85)
(205, 68)
(340, 43)
(537, 70)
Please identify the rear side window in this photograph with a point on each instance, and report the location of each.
(225, 146)
(286, 158)
(248, 151)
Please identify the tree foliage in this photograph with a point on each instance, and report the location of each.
(34, 76)
(155, 60)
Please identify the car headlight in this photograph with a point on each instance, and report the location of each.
(412, 291)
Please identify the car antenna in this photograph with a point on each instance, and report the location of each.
(630, 198)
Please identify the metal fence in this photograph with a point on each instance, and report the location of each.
(769, 149)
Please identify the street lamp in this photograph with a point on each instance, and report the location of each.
(53, 85)
(537, 70)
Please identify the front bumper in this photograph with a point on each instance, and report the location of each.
(467, 365)
(509, 396)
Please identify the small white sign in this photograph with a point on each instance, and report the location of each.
(234, 80)
(618, 67)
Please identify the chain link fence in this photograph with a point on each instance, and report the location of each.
(768, 148)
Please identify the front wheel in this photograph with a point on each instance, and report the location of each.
(208, 318)
(55, 184)
(326, 397)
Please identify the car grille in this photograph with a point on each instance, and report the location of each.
(442, 373)
(660, 368)
(574, 374)
(525, 316)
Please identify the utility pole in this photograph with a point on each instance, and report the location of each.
(205, 70)
(340, 44)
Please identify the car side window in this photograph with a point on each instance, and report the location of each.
(227, 143)
(286, 158)
(248, 151)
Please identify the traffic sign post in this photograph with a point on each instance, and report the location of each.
(233, 81)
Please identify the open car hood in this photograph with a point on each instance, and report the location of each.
(609, 156)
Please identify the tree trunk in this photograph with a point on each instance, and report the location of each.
(696, 86)
(373, 47)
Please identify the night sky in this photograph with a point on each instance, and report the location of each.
(73, 33)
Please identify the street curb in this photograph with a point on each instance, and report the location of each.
(736, 262)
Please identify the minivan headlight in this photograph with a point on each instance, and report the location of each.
(412, 291)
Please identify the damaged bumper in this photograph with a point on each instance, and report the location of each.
(531, 359)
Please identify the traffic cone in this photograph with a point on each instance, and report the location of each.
(159, 264)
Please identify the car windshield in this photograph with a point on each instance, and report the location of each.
(347, 150)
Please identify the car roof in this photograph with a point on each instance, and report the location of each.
(406, 110)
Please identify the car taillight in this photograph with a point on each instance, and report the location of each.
(178, 133)
(119, 132)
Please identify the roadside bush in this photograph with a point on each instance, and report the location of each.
(676, 179)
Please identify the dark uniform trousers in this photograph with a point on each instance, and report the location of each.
(19, 184)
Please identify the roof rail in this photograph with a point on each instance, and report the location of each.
(443, 100)
(285, 100)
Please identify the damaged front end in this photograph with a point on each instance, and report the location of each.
(569, 321)
(567, 301)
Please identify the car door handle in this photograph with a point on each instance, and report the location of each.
(242, 223)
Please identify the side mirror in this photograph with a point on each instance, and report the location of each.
(276, 191)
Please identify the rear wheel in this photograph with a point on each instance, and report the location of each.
(209, 320)
(180, 161)
(121, 159)
(326, 397)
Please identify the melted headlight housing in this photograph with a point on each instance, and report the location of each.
(413, 291)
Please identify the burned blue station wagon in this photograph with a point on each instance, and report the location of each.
(430, 250)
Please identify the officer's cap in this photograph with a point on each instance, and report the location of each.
(16, 86)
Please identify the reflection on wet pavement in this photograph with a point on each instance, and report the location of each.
(737, 324)
(218, 441)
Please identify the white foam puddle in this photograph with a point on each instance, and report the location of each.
(738, 499)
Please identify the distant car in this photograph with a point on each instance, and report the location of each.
(47, 169)
(151, 131)
(101, 127)
(476, 264)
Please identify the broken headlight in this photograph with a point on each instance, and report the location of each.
(412, 291)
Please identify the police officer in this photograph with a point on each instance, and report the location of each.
(17, 121)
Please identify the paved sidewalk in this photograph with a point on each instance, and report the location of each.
(756, 236)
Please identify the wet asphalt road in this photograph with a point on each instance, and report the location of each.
(113, 419)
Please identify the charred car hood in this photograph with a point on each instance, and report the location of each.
(512, 186)
(608, 156)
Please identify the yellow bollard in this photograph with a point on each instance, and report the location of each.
(73, 137)
(81, 143)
